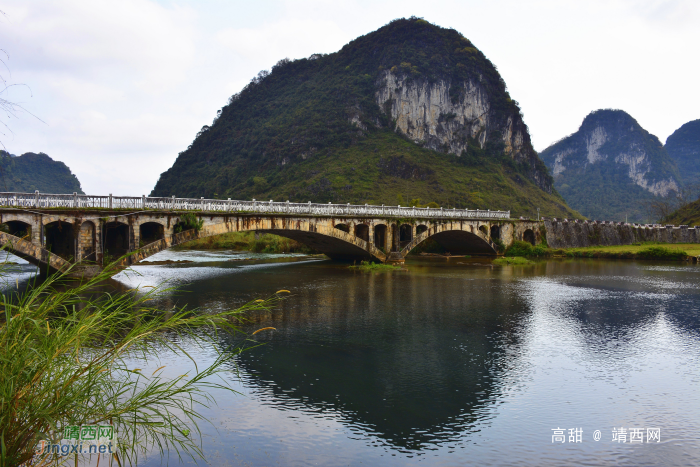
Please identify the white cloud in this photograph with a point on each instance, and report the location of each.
(140, 40)
(290, 38)
(103, 77)
(124, 87)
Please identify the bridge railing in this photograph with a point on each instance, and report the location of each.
(76, 201)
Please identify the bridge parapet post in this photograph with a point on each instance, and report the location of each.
(36, 199)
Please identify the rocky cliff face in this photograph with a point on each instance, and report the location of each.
(430, 114)
(425, 113)
(611, 166)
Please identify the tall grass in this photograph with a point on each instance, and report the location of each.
(67, 354)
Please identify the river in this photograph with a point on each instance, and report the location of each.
(448, 362)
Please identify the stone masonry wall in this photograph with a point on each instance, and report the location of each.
(574, 233)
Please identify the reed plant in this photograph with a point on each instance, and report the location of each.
(70, 354)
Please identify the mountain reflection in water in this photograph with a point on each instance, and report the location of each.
(410, 360)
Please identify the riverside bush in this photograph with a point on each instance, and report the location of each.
(520, 248)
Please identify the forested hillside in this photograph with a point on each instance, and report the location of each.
(684, 148)
(30, 172)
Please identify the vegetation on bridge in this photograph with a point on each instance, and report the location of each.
(189, 221)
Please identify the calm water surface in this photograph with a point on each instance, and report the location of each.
(448, 364)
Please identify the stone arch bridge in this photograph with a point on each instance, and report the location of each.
(62, 230)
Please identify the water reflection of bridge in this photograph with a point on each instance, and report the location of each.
(60, 230)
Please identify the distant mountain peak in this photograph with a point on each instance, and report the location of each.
(610, 166)
(30, 172)
(684, 148)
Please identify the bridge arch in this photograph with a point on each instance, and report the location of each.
(150, 232)
(331, 241)
(495, 232)
(87, 241)
(362, 231)
(60, 239)
(529, 236)
(457, 238)
(115, 239)
(380, 236)
(19, 228)
(405, 233)
(343, 227)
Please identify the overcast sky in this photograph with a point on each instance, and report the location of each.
(122, 87)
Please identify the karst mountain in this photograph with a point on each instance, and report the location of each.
(684, 148)
(612, 168)
(30, 172)
(410, 113)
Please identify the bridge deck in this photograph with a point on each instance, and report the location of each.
(94, 230)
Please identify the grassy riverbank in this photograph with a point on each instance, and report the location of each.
(673, 252)
(267, 243)
(246, 241)
(648, 250)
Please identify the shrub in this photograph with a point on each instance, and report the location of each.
(520, 248)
